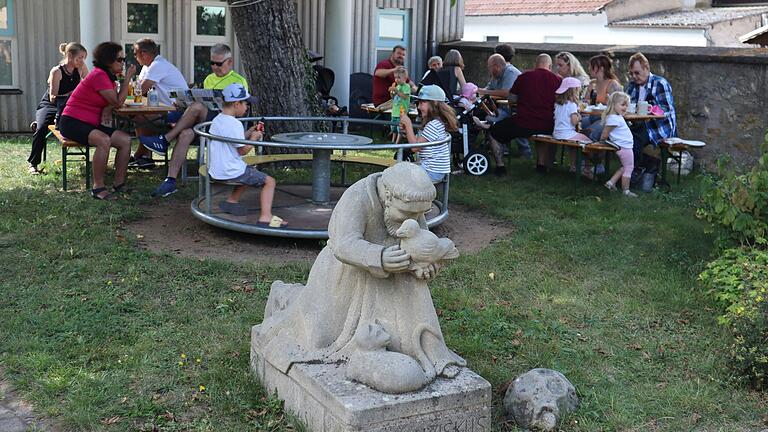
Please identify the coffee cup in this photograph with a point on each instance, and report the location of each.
(642, 108)
(632, 108)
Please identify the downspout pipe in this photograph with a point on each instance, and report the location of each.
(432, 30)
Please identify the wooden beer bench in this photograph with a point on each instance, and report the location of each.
(591, 150)
(71, 148)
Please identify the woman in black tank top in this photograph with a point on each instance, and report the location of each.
(62, 80)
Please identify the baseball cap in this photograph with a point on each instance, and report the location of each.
(431, 92)
(568, 83)
(235, 92)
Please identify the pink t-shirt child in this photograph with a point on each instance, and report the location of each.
(86, 103)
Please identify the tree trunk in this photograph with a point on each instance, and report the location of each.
(275, 61)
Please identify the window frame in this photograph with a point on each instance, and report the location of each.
(212, 40)
(131, 38)
(383, 46)
(207, 40)
(9, 34)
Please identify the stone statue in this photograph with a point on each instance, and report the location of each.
(539, 399)
(362, 278)
(424, 247)
(386, 371)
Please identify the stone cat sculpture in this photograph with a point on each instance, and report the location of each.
(424, 246)
(382, 370)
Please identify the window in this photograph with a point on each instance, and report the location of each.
(392, 28)
(142, 19)
(491, 38)
(8, 49)
(210, 25)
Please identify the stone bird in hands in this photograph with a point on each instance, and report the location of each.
(424, 246)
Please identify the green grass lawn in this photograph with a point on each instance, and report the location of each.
(101, 335)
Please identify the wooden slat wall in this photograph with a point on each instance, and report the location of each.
(41, 25)
(312, 22)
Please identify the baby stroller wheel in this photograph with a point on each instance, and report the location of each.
(475, 164)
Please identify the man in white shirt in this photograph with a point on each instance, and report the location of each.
(161, 74)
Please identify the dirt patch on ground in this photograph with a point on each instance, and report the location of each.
(170, 227)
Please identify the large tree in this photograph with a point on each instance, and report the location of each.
(275, 60)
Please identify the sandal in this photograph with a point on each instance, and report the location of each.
(116, 189)
(95, 194)
(275, 222)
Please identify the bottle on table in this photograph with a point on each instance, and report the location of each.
(153, 99)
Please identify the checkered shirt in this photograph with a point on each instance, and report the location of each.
(658, 92)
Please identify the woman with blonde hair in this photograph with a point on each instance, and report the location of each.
(567, 65)
(62, 80)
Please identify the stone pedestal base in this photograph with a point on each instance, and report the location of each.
(326, 401)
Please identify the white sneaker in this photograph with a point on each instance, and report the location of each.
(610, 186)
(629, 193)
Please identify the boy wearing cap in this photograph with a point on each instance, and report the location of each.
(437, 117)
(226, 163)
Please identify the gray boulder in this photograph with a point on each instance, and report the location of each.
(539, 399)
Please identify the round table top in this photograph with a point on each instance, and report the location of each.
(321, 139)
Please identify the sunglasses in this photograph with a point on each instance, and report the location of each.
(219, 64)
(120, 59)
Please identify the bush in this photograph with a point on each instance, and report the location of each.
(738, 204)
(738, 280)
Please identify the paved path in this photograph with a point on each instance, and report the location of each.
(15, 414)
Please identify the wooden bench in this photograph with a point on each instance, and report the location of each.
(72, 148)
(674, 148)
(587, 149)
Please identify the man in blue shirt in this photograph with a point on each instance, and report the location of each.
(645, 86)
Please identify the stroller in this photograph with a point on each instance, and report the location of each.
(473, 160)
(323, 85)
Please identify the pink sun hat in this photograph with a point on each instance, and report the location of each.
(568, 83)
(469, 90)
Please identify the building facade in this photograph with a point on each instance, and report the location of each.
(620, 22)
(352, 35)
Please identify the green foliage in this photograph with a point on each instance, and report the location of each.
(143, 18)
(737, 204)
(739, 282)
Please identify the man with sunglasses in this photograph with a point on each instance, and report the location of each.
(220, 78)
(161, 74)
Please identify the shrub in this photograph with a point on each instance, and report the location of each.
(738, 280)
(738, 204)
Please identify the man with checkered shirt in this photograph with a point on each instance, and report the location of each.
(645, 86)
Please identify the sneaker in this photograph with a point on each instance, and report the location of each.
(156, 143)
(166, 188)
(629, 193)
(141, 162)
(32, 169)
(610, 186)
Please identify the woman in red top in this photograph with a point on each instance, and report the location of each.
(90, 103)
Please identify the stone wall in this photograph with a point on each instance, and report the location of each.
(719, 93)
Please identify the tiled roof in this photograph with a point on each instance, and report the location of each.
(532, 7)
(697, 18)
